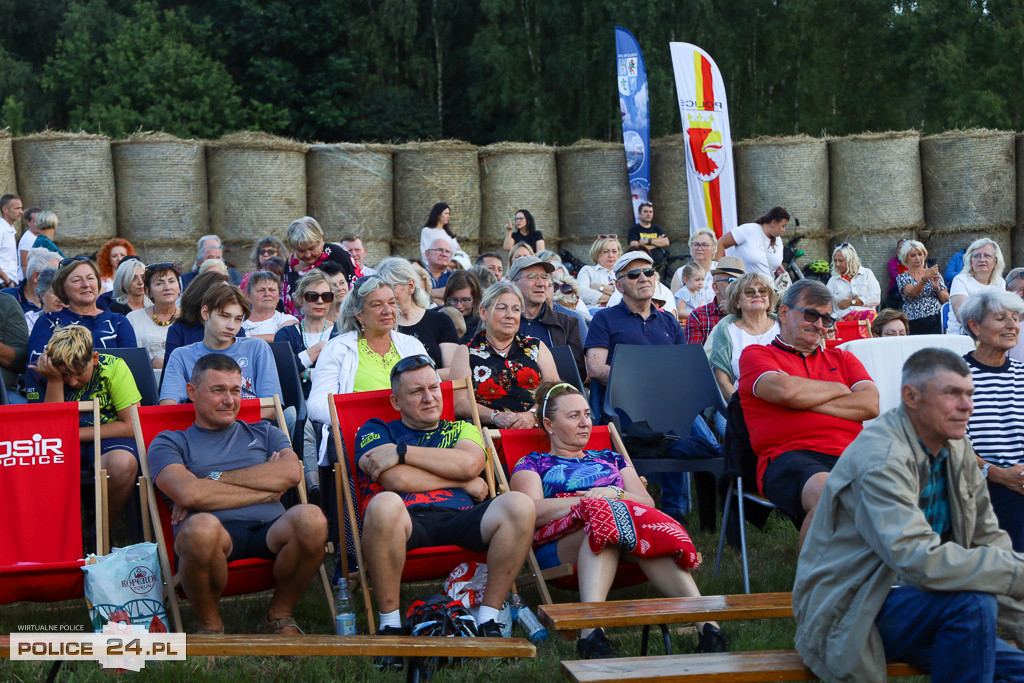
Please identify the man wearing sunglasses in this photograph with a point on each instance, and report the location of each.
(802, 404)
(421, 475)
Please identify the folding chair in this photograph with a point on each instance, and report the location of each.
(513, 445)
(291, 390)
(349, 412)
(244, 576)
(142, 371)
(668, 387)
(41, 543)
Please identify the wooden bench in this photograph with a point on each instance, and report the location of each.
(261, 645)
(568, 616)
(735, 667)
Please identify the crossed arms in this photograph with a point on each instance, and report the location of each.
(427, 469)
(857, 403)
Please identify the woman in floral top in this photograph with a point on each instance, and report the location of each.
(505, 366)
(309, 251)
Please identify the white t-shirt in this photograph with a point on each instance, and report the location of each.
(677, 279)
(430, 235)
(10, 262)
(754, 249)
(741, 339)
(269, 326)
(661, 292)
(965, 285)
(24, 244)
(694, 300)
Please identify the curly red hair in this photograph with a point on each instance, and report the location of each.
(103, 256)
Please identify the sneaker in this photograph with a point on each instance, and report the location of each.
(390, 662)
(712, 640)
(595, 646)
(490, 629)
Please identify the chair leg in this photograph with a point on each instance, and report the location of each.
(743, 534)
(725, 525)
(643, 640)
(325, 581)
(667, 638)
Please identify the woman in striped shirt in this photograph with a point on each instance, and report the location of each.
(996, 428)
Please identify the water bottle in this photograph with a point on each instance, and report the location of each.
(345, 619)
(535, 631)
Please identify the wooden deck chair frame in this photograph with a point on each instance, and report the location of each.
(154, 527)
(69, 573)
(347, 506)
(627, 574)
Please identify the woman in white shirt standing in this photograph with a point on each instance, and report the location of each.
(854, 287)
(597, 282)
(757, 244)
(983, 267)
(437, 228)
(263, 290)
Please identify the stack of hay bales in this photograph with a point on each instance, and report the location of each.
(8, 184)
(669, 192)
(593, 195)
(875, 195)
(257, 186)
(162, 204)
(349, 190)
(791, 172)
(1017, 240)
(430, 172)
(516, 176)
(969, 190)
(71, 174)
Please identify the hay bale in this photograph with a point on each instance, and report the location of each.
(669, 192)
(517, 176)
(8, 184)
(791, 172)
(593, 194)
(429, 172)
(942, 245)
(161, 190)
(71, 174)
(875, 182)
(1018, 231)
(349, 190)
(257, 186)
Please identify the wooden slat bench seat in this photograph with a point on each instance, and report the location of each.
(576, 615)
(734, 667)
(259, 645)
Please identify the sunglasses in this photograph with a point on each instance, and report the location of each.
(162, 266)
(73, 259)
(751, 292)
(607, 237)
(565, 288)
(313, 297)
(812, 316)
(635, 274)
(366, 278)
(552, 392)
(411, 363)
(730, 280)
(268, 252)
(841, 246)
(452, 301)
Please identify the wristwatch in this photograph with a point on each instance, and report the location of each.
(984, 470)
(402, 449)
(215, 475)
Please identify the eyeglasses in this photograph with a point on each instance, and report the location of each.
(980, 257)
(442, 250)
(420, 360)
(552, 392)
(812, 316)
(565, 288)
(166, 265)
(730, 280)
(268, 252)
(452, 301)
(701, 245)
(841, 246)
(73, 259)
(313, 297)
(607, 237)
(366, 278)
(761, 291)
(635, 274)
(520, 218)
(533, 277)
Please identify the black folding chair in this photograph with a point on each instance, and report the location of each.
(291, 390)
(566, 366)
(141, 367)
(667, 386)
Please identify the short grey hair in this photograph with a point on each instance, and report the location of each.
(305, 230)
(399, 271)
(987, 301)
(201, 250)
(926, 363)
(213, 263)
(809, 292)
(259, 276)
(352, 305)
(46, 220)
(39, 259)
(45, 282)
(484, 275)
(123, 277)
(495, 292)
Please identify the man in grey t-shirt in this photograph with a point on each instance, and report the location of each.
(223, 479)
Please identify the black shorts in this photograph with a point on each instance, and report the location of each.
(249, 539)
(786, 475)
(445, 526)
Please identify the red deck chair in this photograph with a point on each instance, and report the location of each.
(513, 445)
(41, 545)
(349, 412)
(244, 576)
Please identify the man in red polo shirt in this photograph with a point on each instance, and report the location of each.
(802, 405)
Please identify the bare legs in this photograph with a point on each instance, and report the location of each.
(122, 470)
(809, 498)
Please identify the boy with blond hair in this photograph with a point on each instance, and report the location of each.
(73, 371)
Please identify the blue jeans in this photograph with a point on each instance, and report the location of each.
(675, 486)
(952, 635)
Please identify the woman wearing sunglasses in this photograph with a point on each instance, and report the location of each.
(854, 287)
(162, 285)
(263, 290)
(560, 480)
(77, 285)
(309, 337)
(751, 320)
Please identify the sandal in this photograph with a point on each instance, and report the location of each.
(275, 626)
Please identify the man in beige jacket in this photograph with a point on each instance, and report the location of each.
(905, 560)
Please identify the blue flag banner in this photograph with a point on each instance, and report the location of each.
(631, 76)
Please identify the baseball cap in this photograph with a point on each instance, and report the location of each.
(524, 262)
(629, 257)
(730, 266)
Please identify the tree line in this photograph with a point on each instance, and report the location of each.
(490, 70)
